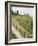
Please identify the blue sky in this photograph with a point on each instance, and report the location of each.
(23, 10)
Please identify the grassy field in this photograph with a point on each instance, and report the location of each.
(25, 21)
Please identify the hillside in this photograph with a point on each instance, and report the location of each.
(24, 21)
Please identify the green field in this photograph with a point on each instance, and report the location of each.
(25, 21)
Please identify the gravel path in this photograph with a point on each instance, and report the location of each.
(18, 35)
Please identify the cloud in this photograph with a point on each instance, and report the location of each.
(22, 10)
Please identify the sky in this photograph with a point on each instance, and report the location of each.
(22, 10)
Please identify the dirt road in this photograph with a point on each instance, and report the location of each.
(18, 35)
